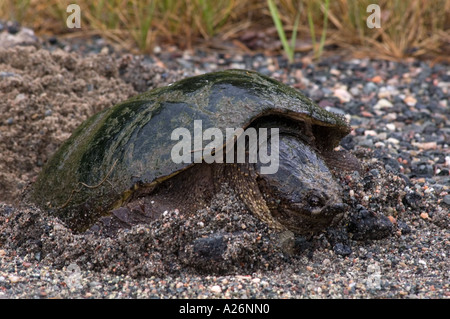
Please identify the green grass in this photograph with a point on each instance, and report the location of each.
(289, 47)
(409, 27)
(318, 50)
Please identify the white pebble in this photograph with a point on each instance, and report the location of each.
(343, 95)
(13, 279)
(390, 126)
(393, 140)
(370, 133)
(382, 103)
(216, 289)
(423, 262)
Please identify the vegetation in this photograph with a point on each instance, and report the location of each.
(415, 28)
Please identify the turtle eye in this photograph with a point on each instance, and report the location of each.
(314, 200)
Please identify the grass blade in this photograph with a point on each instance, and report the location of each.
(324, 29)
(279, 26)
(294, 32)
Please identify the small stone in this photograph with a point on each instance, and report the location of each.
(387, 92)
(216, 289)
(370, 133)
(409, 100)
(375, 172)
(382, 136)
(390, 126)
(377, 79)
(335, 72)
(424, 216)
(370, 87)
(366, 114)
(14, 279)
(426, 145)
(355, 91)
(104, 50)
(393, 140)
(343, 95)
(392, 219)
(382, 104)
(445, 200)
(366, 143)
(179, 285)
(157, 49)
(13, 27)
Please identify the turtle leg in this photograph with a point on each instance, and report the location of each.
(242, 178)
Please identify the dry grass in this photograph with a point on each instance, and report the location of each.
(417, 28)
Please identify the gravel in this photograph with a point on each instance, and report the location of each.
(401, 120)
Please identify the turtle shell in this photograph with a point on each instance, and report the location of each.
(129, 144)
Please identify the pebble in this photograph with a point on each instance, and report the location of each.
(13, 279)
(216, 289)
(446, 199)
(424, 215)
(382, 103)
(410, 100)
(377, 79)
(370, 87)
(390, 126)
(426, 145)
(343, 95)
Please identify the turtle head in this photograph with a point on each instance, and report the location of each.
(303, 194)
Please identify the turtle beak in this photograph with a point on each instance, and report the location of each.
(324, 211)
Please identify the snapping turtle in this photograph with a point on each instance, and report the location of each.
(129, 164)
